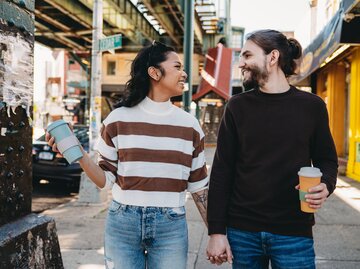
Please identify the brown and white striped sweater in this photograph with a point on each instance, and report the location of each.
(154, 153)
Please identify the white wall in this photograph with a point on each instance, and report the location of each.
(41, 54)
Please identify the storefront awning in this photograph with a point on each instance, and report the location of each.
(339, 31)
(351, 6)
(216, 75)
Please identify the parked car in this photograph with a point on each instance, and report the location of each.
(51, 166)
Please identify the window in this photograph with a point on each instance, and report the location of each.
(111, 68)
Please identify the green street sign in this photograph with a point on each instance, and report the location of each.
(110, 42)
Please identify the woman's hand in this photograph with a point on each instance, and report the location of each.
(92, 169)
(51, 140)
(218, 249)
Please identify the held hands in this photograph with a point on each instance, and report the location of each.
(318, 196)
(218, 250)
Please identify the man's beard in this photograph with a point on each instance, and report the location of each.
(257, 78)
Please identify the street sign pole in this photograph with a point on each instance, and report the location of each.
(88, 192)
(95, 100)
(188, 51)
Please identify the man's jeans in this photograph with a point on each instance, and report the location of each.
(145, 237)
(253, 250)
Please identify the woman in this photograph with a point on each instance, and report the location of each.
(151, 153)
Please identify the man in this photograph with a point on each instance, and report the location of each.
(266, 135)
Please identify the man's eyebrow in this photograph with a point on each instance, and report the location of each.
(243, 52)
(177, 62)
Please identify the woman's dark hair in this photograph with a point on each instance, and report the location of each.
(137, 88)
(289, 48)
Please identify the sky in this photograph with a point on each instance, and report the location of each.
(282, 15)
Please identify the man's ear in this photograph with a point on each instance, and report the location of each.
(274, 57)
(153, 73)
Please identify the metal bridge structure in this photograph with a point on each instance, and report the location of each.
(67, 24)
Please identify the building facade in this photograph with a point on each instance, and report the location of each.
(331, 67)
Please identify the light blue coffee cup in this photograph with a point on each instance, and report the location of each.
(67, 143)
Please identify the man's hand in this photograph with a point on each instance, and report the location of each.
(318, 195)
(218, 249)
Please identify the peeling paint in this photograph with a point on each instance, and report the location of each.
(50, 228)
(27, 243)
(29, 236)
(38, 253)
(16, 72)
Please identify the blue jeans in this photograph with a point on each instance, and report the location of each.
(254, 250)
(145, 237)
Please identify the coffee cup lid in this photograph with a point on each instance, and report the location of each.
(310, 172)
(55, 124)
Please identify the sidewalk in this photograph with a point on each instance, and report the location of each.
(337, 232)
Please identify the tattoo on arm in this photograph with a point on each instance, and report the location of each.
(200, 199)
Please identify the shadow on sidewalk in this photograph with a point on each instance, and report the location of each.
(80, 230)
(337, 229)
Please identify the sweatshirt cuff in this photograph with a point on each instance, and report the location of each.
(329, 186)
(216, 227)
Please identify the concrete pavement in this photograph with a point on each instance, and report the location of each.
(337, 229)
(337, 232)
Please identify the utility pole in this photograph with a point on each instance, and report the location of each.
(88, 192)
(95, 100)
(188, 51)
(313, 18)
(228, 23)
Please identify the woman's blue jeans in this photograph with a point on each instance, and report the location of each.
(254, 250)
(145, 237)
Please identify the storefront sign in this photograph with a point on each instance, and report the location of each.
(335, 34)
(323, 46)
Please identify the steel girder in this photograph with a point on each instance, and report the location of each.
(127, 19)
(68, 23)
(171, 18)
(59, 22)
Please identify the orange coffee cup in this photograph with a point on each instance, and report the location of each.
(308, 177)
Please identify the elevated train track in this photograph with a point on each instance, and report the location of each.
(67, 24)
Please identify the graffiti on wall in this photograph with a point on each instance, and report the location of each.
(16, 71)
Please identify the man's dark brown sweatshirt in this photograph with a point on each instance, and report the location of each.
(263, 141)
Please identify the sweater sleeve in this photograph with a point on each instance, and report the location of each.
(108, 158)
(198, 179)
(222, 174)
(323, 150)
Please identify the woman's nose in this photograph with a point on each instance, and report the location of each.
(184, 75)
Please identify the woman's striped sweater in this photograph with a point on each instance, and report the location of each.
(152, 154)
